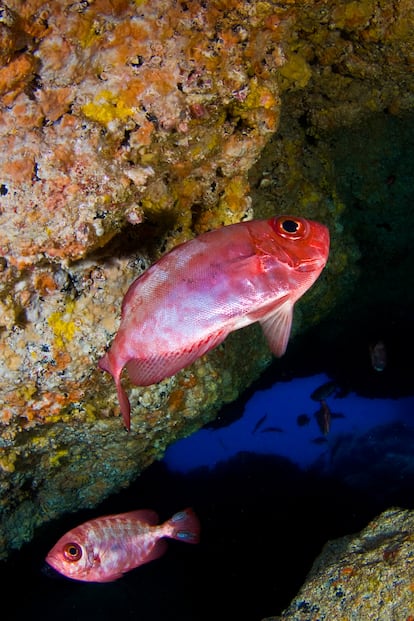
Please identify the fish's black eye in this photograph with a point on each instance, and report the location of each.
(72, 552)
(290, 227)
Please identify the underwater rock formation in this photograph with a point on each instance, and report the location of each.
(365, 576)
(112, 114)
(129, 127)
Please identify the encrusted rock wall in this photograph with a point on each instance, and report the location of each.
(113, 115)
(369, 575)
(128, 127)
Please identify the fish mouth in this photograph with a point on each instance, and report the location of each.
(311, 265)
(319, 248)
(49, 571)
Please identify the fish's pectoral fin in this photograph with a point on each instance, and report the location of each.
(276, 327)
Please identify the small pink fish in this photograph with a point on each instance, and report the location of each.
(103, 549)
(195, 295)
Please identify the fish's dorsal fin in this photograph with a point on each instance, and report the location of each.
(276, 327)
(143, 515)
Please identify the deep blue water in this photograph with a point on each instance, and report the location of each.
(275, 410)
(269, 493)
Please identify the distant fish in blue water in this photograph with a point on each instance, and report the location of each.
(378, 356)
(259, 423)
(302, 420)
(324, 417)
(325, 390)
(272, 429)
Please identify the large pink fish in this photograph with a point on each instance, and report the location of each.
(195, 295)
(103, 549)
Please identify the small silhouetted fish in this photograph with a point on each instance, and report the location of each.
(303, 419)
(325, 390)
(319, 440)
(272, 429)
(323, 417)
(378, 356)
(259, 423)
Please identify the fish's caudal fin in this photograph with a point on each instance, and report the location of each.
(105, 364)
(124, 403)
(185, 526)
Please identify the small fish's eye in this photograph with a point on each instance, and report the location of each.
(290, 227)
(72, 552)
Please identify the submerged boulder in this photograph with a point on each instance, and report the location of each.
(369, 575)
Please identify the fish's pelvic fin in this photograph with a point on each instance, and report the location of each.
(111, 578)
(276, 327)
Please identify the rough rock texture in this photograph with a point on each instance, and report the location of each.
(129, 127)
(113, 114)
(367, 576)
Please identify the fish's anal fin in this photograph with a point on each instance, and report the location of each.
(146, 371)
(276, 327)
(158, 550)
